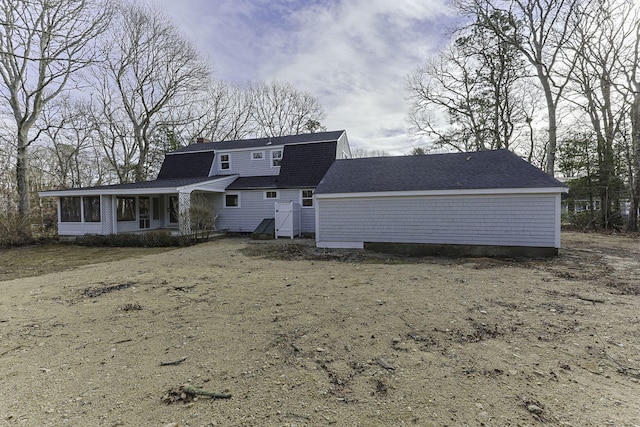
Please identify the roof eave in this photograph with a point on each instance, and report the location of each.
(202, 185)
(461, 192)
(107, 191)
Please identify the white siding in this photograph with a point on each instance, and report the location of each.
(79, 228)
(342, 149)
(503, 220)
(254, 208)
(241, 162)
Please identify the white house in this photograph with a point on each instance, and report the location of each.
(239, 181)
(489, 202)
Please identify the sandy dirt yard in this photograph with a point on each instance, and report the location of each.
(283, 334)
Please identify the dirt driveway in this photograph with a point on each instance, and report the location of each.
(283, 334)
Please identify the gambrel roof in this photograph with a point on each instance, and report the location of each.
(303, 166)
(305, 160)
(263, 142)
(187, 165)
(499, 169)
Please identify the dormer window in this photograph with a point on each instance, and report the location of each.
(276, 158)
(225, 162)
(257, 155)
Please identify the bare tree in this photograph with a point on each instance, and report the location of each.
(633, 77)
(42, 44)
(473, 84)
(278, 109)
(149, 69)
(7, 166)
(542, 29)
(600, 43)
(223, 113)
(68, 129)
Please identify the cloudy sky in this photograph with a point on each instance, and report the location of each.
(353, 55)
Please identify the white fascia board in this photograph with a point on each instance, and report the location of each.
(248, 149)
(177, 153)
(218, 185)
(474, 192)
(271, 146)
(107, 192)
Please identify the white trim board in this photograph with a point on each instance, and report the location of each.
(472, 192)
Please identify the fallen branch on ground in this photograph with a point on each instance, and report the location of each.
(593, 300)
(385, 364)
(200, 392)
(174, 362)
(94, 292)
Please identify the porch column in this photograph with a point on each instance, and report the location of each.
(107, 217)
(184, 217)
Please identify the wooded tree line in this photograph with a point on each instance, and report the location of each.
(557, 81)
(97, 92)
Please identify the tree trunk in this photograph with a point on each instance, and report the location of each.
(632, 223)
(22, 175)
(550, 164)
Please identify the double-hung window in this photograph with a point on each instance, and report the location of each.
(225, 162)
(276, 158)
(307, 198)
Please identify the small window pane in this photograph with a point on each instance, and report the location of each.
(231, 200)
(224, 161)
(155, 207)
(276, 158)
(257, 155)
(70, 209)
(126, 209)
(91, 209)
(307, 198)
(174, 209)
(271, 195)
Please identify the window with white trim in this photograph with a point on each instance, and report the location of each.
(231, 200)
(276, 158)
(257, 155)
(270, 194)
(126, 209)
(91, 205)
(307, 198)
(70, 209)
(225, 161)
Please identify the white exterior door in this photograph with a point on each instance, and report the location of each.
(287, 219)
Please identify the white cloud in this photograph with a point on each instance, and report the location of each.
(354, 55)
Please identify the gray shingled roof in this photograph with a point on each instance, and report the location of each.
(263, 142)
(157, 183)
(134, 186)
(303, 165)
(254, 182)
(500, 169)
(187, 165)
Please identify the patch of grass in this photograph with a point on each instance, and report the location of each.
(29, 261)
